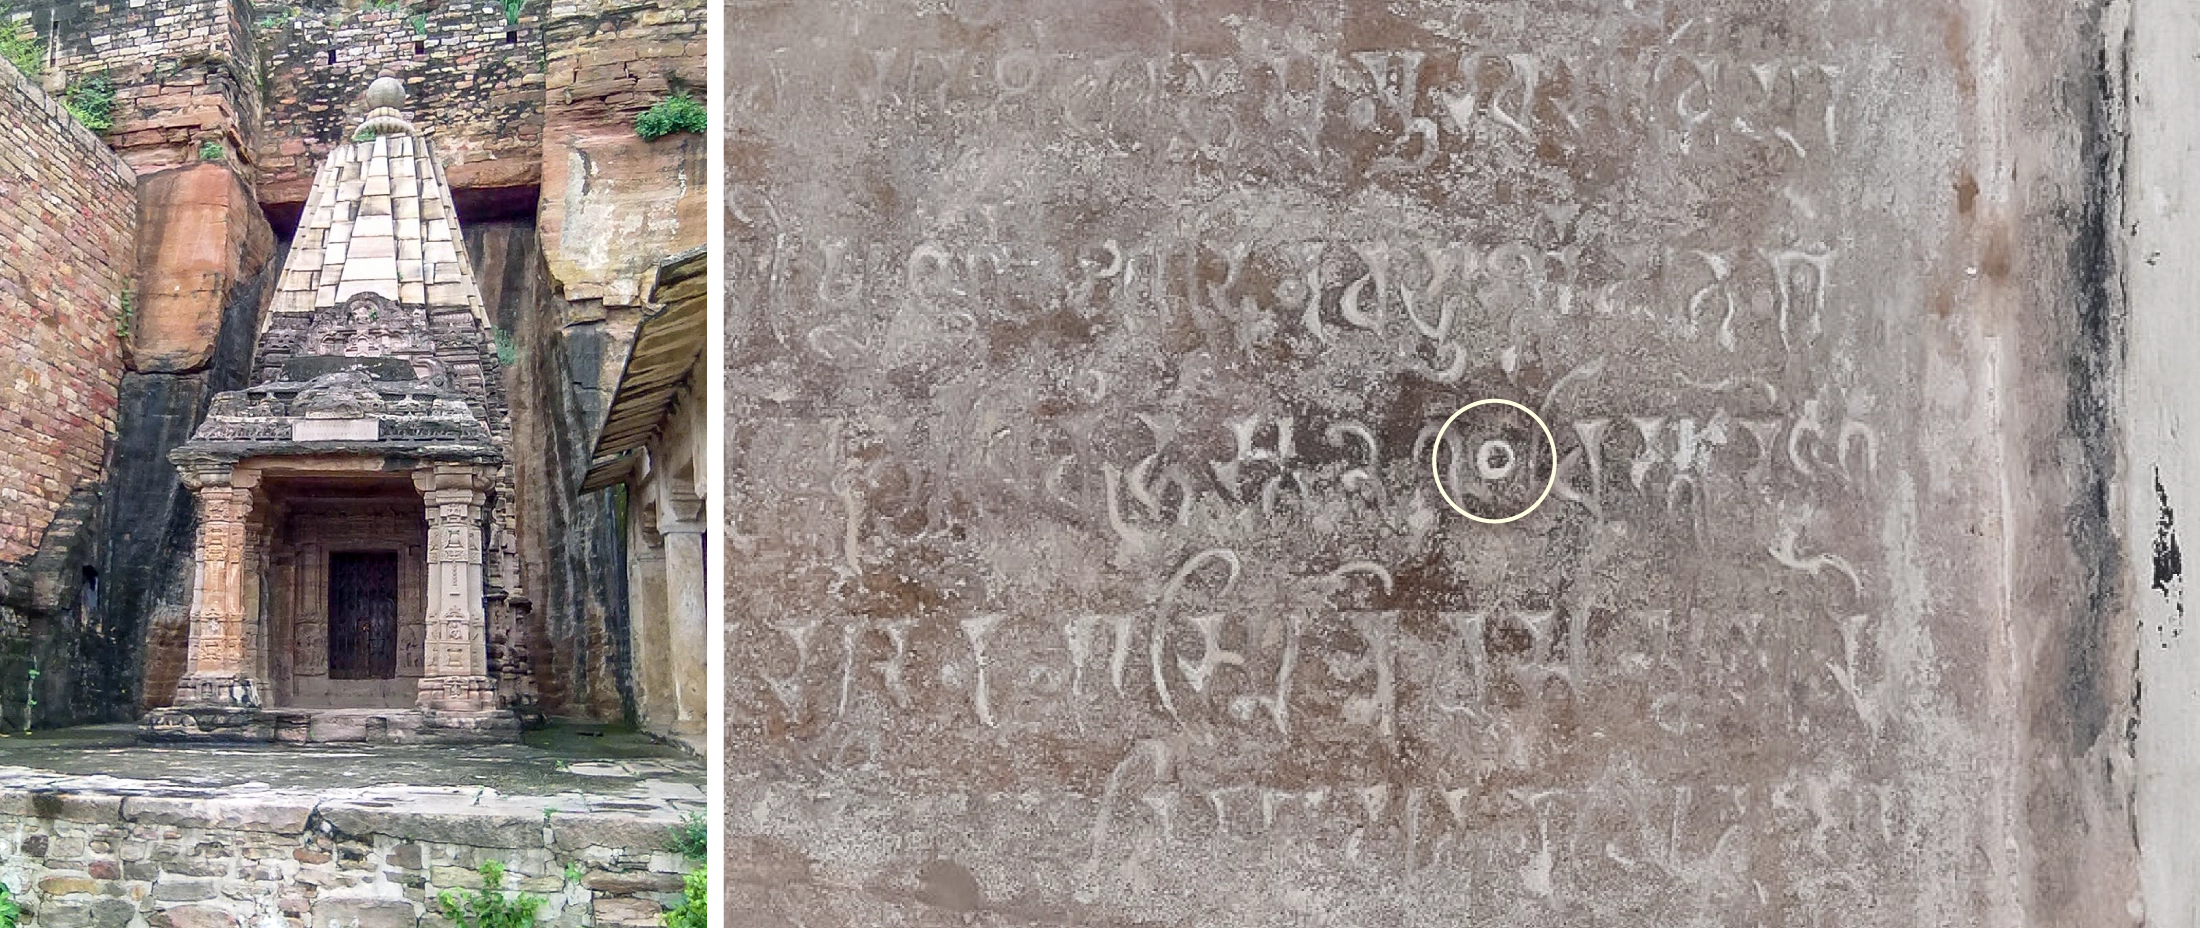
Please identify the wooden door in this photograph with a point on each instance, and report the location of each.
(362, 615)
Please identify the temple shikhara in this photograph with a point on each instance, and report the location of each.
(352, 534)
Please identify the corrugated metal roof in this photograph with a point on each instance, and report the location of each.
(666, 346)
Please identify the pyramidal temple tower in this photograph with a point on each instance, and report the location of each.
(345, 498)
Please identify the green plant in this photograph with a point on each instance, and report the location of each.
(676, 113)
(211, 150)
(512, 10)
(22, 51)
(419, 23)
(490, 906)
(694, 902)
(574, 871)
(91, 100)
(124, 319)
(507, 352)
(691, 838)
(9, 911)
(546, 813)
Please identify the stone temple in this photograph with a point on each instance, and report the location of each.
(351, 461)
(345, 498)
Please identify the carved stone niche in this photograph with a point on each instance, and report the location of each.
(368, 325)
(348, 394)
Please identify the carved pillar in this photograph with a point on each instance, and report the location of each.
(282, 626)
(309, 631)
(680, 521)
(455, 666)
(653, 650)
(217, 669)
(412, 634)
(256, 590)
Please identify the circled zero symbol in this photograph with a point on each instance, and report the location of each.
(1436, 450)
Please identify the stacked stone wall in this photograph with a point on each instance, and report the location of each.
(69, 209)
(474, 72)
(611, 59)
(183, 73)
(167, 858)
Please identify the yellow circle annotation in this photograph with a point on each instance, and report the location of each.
(1436, 453)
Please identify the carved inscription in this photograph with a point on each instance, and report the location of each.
(1084, 447)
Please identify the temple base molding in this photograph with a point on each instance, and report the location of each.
(228, 724)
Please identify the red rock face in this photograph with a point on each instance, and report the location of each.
(613, 204)
(608, 212)
(202, 232)
(66, 256)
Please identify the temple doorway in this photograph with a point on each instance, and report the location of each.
(362, 615)
(346, 606)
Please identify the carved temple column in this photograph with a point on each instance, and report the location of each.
(258, 561)
(680, 521)
(218, 670)
(455, 663)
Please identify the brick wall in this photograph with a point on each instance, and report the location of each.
(183, 74)
(610, 59)
(475, 77)
(68, 226)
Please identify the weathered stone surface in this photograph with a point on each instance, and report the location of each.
(363, 913)
(612, 830)
(277, 816)
(642, 200)
(201, 234)
(625, 912)
(450, 822)
(603, 237)
(199, 916)
(68, 806)
(185, 74)
(1089, 461)
(569, 542)
(66, 885)
(460, 877)
(112, 913)
(630, 882)
(171, 888)
(96, 913)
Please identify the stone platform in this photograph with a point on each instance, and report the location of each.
(309, 726)
(100, 831)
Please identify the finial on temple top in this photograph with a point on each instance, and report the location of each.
(384, 97)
